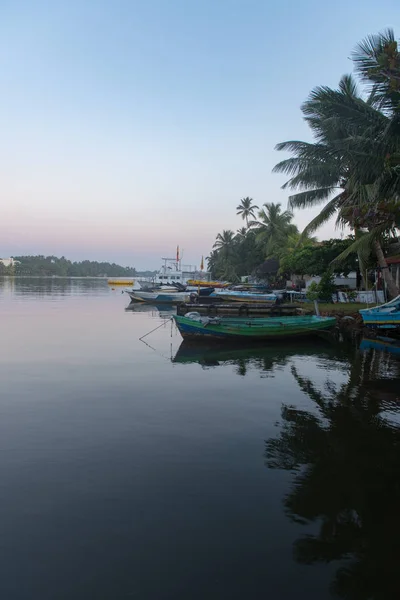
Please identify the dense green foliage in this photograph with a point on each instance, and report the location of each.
(234, 255)
(273, 250)
(253, 249)
(62, 267)
(325, 288)
(353, 166)
(316, 259)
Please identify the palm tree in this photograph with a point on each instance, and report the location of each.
(241, 233)
(377, 61)
(349, 160)
(225, 241)
(226, 247)
(246, 209)
(273, 228)
(212, 262)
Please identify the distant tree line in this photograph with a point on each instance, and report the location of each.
(48, 266)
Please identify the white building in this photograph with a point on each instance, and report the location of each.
(349, 282)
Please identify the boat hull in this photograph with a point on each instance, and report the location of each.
(121, 282)
(386, 316)
(381, 320)
(252, 329)
(159, 297)
(246, 297)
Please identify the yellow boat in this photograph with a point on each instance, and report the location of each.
(120, 281)
(201, 283)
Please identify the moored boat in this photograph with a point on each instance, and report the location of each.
(386, 316)
(194, 326)
(158, 297)
(237, 296)
(121, 281)
(205, 283)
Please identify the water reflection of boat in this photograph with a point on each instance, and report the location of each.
(266, 356)
(164, 310)
(384, 344)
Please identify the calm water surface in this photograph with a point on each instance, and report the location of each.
(160, 471)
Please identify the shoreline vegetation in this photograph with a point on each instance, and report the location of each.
(351, 168)
(52, 266)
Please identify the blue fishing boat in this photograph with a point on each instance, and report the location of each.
(386, 316)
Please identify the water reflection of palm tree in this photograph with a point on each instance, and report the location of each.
(346, 456)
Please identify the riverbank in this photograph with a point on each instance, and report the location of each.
(339, 309)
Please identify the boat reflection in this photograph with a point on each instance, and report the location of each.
(384, 344)
(245, 357)
(163, 310)
(345, 456)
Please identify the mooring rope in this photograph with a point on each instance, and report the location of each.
(155, 329)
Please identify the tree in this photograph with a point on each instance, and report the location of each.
(212, 262)
(273, 228)
(377, 61)
(225, 241)
(241, 233)
(316, 258)
(356, 156)
(48, 266)
(226, 258)
(246, 209)
(344, 457)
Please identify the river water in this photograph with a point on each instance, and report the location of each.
(153, 470)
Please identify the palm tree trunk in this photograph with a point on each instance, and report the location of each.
(390, 282)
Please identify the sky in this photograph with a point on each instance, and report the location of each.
(131, 126)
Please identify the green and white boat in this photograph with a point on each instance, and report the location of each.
(195, 326)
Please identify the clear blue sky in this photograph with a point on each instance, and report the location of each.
(128, 127)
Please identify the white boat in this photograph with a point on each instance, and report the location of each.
(158, 297)
(236, 296)
(172, 272)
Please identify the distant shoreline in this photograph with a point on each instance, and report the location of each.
(102, 278)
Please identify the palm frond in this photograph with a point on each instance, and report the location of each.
(309, 197)
(363, 244)
(326, 213)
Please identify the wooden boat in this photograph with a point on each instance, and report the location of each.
(386, 316)
(158, 297)
(237, 309)
(236, 296)
(194, 326)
